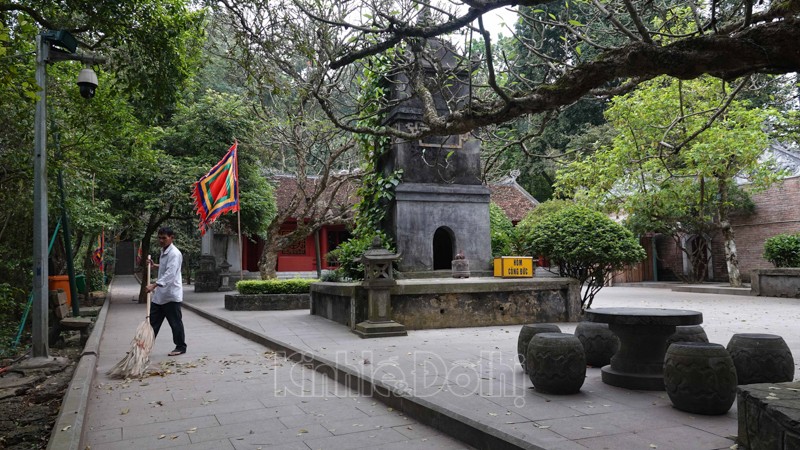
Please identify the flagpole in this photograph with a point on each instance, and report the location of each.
(239, 216)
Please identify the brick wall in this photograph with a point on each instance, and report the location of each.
(777, 211)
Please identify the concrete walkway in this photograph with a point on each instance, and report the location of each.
(229, 391)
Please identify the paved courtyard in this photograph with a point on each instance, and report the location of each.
(228, 391)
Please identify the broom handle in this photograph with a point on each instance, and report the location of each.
(149, 293)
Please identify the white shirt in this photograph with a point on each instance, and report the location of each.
(170, 282)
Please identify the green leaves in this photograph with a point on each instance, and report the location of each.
(585, 244)
(639, 172)
(783, 250)
(502, 232)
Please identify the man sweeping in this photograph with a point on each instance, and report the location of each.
(168, 291)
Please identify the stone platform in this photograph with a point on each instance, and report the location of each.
(769, 416)
(266, 302)
(451, 303)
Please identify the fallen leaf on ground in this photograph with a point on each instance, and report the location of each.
(124, 411)
(66, 428)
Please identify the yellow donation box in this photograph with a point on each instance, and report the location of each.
(513, 267)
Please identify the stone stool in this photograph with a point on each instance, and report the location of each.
(700, 377)
(556, 363)
(761, 358)
(599, 343)
(525, 335)
(688, 333)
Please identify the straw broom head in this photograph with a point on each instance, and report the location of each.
(135, 362)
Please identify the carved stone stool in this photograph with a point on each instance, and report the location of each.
(526, 333)
(761, 358)
(688, 333)
(556, 363)
(599, 343)
(700, 377)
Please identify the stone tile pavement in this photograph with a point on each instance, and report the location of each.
(229, 391)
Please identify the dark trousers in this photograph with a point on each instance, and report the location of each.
(172, 312)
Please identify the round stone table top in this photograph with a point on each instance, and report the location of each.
(644, 316)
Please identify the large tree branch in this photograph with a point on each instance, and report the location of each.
(766, 48)
(397, 32)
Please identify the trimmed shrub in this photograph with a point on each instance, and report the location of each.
(293, 286)
(586, 245)
(541, 212)
(783, 250)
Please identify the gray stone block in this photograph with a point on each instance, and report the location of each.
(769, 416)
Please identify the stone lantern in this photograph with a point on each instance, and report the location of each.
(224, 276)
(378, 281)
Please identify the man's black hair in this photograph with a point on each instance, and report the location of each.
(166, 231)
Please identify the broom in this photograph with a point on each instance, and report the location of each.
(136, 360)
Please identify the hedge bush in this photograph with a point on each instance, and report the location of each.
(783, 250)
(293, 286)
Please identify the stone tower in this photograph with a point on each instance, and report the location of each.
(441, 208)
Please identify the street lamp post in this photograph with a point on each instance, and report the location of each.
(40, 307)
(45, 52)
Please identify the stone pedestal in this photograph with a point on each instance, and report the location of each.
(688, 333)
(556, 363)
(379, 323)
(599, 343)
(527, 333)
(207, 275)
(700, 378)
(761, 358)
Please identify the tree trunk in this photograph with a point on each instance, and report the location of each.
(268, 262)
(731, 259)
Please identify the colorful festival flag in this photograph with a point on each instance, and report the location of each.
(218, 191)
(97, 252)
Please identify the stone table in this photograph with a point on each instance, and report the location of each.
(643, 333)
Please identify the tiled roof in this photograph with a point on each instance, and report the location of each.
(514, 200)
(506, 193)
(289, 191)
(787, 157)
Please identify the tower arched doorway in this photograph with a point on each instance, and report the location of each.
(443, 245)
